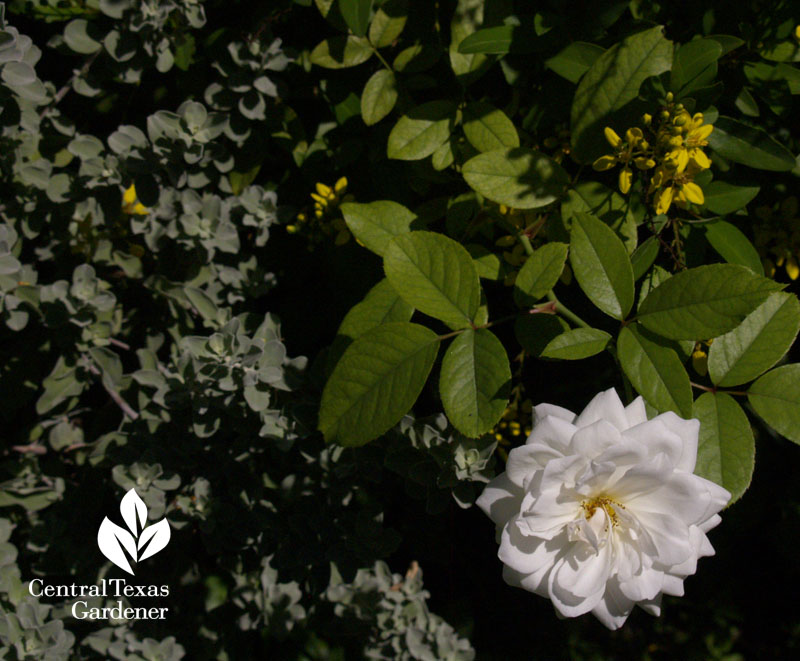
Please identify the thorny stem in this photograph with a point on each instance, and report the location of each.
(486, 325)
(123, 405)
(560, 308)
(381, 58)
(712, 389)
(564, 311)
(61, 93)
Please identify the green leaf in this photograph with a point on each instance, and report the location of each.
(695, 66)
(420, 132)
(376, 382)
(727, 42)
(488, 264)
(601, 265)
(388, 23)
(488, 128)
(576, 344)
(776, 398)
(356, 15)
(238, 180)
(539, 273)
(733, 245)
(726, 447)
(416, 58)
(644, 256)
(377, 223)
(434, 274)
(704, 302)
(475, 382)
(612, 82)
(381, 305)
(655, 371)
(607, 204)
(535, 331)
(575, 60)
(341, 52)
(518, 177)
(496, 40)
(755, 345)
(723, 198)
(378, 97)
(744, 144)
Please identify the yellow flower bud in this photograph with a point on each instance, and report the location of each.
(604, 163)
(613, 139)
(625, 178)
(693, 192)
(669, 97)
(700, 362)
(792, 269)
(341, 185)
(323, 190)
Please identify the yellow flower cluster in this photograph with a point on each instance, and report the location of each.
(672, 148)
(777, 238)
(515, 425)
(132, 206)
(327, 200)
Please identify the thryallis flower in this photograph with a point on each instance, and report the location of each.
(679, 187)
(131, 205)
(632, 150)
(687, 146)
(601, 511)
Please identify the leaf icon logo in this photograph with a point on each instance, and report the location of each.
(138, 541)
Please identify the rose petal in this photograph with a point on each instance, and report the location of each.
(591, 440)
(500, 499)
(542, 410)
(614, 608)
(605, 406)
(657, 437)
(526, 554)
(687, 431)
(636, 412)
(552, 431)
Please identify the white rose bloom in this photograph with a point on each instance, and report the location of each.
(601, 511)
